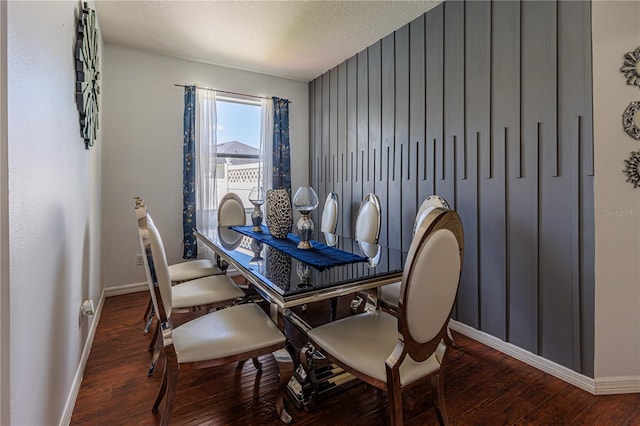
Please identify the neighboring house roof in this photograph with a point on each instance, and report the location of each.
(237, 148)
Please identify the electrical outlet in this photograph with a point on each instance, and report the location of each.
(139, 259)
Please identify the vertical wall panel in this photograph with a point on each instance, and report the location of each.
(326, 145)
(317, 137)
(397, 235)
(584, 186)
(487, 104)
(341, 180)
(573, 95)
(313, 145)
(385, 154)
(434, 66)
(375, 118)
(413, 159)
(505, 131)
(454, 88)
(523, 222)
(472, 163)
(333, 129)
(455, 140)
(362, 156)
(555, 293)
(348, 191)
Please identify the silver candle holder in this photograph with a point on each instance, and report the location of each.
(256, 197)
(305, 201)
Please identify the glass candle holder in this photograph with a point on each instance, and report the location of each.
(305, 201)
(256, 197)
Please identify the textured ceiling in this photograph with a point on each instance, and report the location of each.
(294, 39)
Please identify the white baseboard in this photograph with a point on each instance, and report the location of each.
(600, 386)
(543, 364)
(616, 385)
(77, 379)
(126, 289)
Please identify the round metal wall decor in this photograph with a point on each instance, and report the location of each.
(631, 120)
(631, 67)
(632, 169)
(87, 74)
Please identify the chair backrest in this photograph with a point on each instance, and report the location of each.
(231, 211)
(155, 263)
(427, 205)
(330, 214)
(430, 282)
(368, 220)
(141, 218)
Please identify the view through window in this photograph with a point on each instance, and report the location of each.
(238, 157)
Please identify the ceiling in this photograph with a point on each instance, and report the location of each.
(299, 40)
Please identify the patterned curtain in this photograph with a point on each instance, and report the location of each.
(281, 158)
(189, 175)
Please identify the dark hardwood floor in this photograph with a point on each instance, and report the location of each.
(482, 387)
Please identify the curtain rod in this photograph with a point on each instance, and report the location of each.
(230, 93)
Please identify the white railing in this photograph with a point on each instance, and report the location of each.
(240, 179)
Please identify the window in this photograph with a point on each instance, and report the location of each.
(238, 159)
(233, 135)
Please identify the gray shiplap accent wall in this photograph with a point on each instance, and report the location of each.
(487, 104)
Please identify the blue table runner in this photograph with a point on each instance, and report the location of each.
(321, 256)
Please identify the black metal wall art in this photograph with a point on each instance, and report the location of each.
(630, 68)
(631, 120)
(631, 169)
(87, 74)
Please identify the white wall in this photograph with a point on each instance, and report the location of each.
(617, 203)
(54, 211)
(143, 145)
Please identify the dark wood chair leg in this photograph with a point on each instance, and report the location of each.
(148, 310)
(437, 386)
(154, 338)
(151, 316)
(161, 391)
(394, 394)
(171, 368)
(285, 368)
(449, 336)
(155, 357)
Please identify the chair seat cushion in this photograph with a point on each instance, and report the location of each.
(205, 291)
(390, 294)
(193, 269)
(227, 332)
(363, 343)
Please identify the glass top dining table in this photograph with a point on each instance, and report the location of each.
(286, 281)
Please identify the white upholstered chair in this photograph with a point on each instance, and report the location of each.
(367, 233)
(225, 336)
(209, 292)
(388, 294)
(190, 269)
(393, 353)
(368, 219)
(329, 220)
(231, 211)
(182, 271)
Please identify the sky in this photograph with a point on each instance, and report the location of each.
(238, 122)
